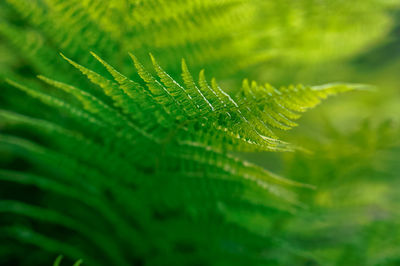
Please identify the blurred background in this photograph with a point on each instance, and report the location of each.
(352, 217)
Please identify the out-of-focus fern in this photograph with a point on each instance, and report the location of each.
(58, 260)
(144, 158)
(224, 36)
(355, 204)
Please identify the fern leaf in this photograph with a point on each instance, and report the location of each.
(190, 129)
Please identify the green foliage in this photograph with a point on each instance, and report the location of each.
(354, 215)
(161, 138)
(111, 160)
(225, 37)
(58, 260)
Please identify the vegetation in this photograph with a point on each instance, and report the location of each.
(116, 148)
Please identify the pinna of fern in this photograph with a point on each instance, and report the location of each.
(142, 169)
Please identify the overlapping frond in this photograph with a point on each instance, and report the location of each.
(225, 36)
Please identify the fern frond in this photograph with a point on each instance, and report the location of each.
(223, 36)
(225, 123)
(190, 128)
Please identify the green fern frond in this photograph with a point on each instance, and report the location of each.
(103, 151)
(177, 109)
(223, 126)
